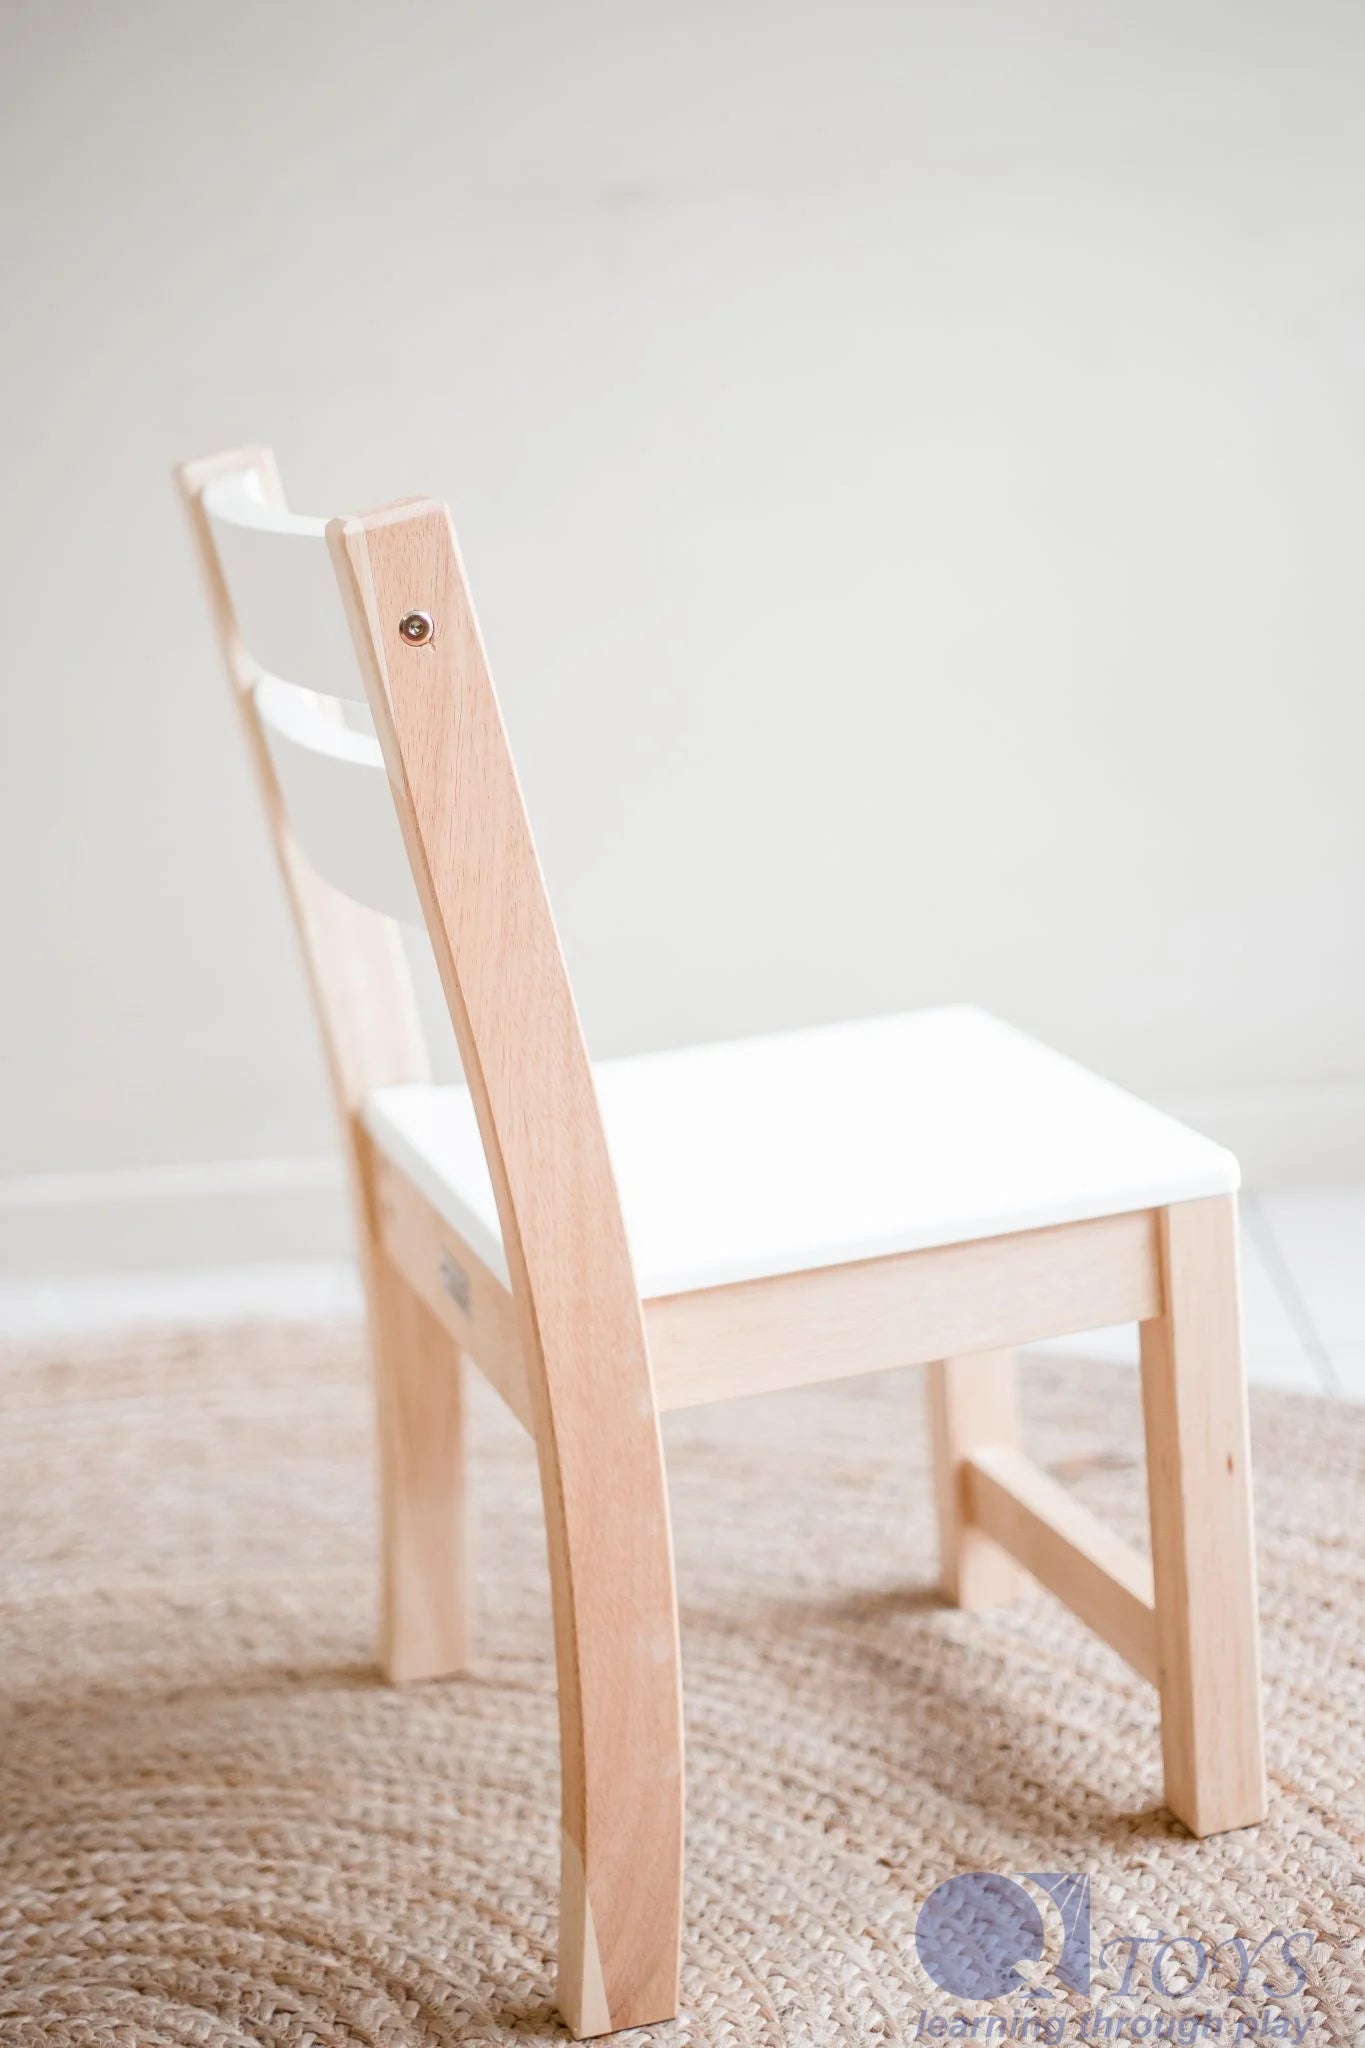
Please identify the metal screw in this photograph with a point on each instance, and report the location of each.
(417, 628)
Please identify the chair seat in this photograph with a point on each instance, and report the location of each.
(814, 1148)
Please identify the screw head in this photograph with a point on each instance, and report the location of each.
(417, 628)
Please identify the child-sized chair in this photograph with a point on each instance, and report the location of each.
(610, 1241)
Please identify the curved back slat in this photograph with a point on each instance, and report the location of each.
(283, 589)
(337, 799)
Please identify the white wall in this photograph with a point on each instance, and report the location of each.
(909, 458)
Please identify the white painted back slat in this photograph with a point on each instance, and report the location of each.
(284, 590)
(337, 797)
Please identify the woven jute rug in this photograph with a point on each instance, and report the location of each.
(218, 1827)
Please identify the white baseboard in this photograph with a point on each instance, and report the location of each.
(230, 1213)
(248, 1213)
(1308, 1134)
(77, 1304)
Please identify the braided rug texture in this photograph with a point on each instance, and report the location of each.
(216, 1826)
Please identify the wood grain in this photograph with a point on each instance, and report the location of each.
(424, 1610)
(1203, 1553)
(471, 1303)
(950, 1302)
(973, 1402)
(592, 1398)
(1103, 1580)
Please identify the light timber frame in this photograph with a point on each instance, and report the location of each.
(587, 1367)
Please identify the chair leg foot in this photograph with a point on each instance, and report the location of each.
(620, 1717)
(424, 1628)
(973, 1402)
(603, 1989)
(581, 1991)
(1203, 1555)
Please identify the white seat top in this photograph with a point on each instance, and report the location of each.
(814, 1148)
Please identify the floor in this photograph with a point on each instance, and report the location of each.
(212, 1801)
(1303, 1295)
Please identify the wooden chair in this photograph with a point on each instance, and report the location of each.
(607, 1242)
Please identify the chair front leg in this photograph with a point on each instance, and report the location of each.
(1203, 1557)
(419, 1389)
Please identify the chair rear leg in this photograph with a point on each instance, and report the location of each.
(1203, 1557)
(419, 1386)
(620, 1715)
(973, 1402)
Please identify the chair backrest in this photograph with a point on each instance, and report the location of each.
(420, 818)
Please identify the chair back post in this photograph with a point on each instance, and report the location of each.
(357, 971)
(526, 1064)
